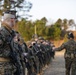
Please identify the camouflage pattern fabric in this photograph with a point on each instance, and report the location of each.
(6, 68)
(70, 56)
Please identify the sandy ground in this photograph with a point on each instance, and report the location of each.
(57, 66)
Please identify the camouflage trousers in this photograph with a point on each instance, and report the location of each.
(70, 65)
(7, 68)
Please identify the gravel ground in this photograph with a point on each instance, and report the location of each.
(57, 66)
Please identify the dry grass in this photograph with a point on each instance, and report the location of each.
(58, 43)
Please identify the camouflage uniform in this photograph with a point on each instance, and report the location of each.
(24, 50)
(6, 66)
(70, 56)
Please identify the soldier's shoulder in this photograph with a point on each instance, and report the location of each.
(75, 41)
(65, 43)
(1, 29)
(70, 42)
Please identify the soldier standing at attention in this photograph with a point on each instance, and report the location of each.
(70, 54)
(6, 35)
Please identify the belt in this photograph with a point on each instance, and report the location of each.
(70, 55)
(4, 59)
(73, 55)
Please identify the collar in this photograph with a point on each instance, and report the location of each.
(7, 26)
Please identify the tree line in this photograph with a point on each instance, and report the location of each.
(53, 31)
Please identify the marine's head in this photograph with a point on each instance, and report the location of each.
(70, 35)
(9, 18)
(41, 39)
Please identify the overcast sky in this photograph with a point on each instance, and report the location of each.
(53, 9)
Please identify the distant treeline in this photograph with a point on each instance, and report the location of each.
(54, 31)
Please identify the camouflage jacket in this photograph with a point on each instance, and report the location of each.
(69, 46)
(5, 38)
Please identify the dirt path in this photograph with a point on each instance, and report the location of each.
(57, 66)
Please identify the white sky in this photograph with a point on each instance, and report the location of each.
(53, 9)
